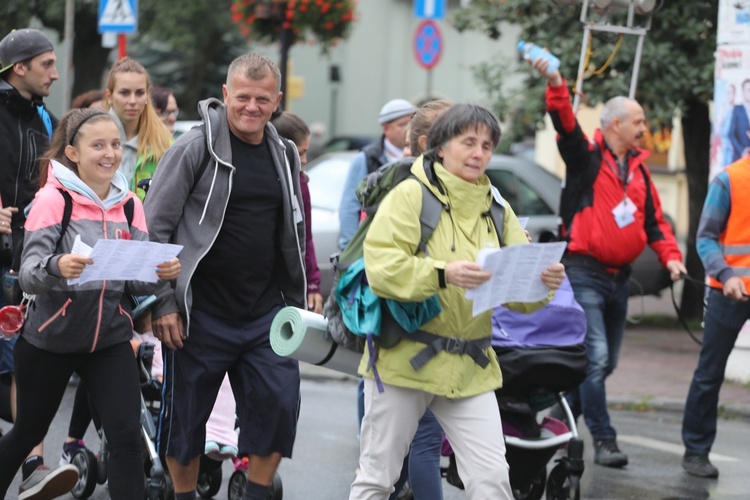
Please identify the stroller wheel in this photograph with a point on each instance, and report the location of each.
(85, 462)
(534, 490)
(237, 483)
(563, 486)
(166, 488)
(277, 489)
(209, 481)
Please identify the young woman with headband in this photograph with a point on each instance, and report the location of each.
(80, 328)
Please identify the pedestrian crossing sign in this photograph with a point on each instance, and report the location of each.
(118, 16)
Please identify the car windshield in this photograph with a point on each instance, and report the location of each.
(326, 184)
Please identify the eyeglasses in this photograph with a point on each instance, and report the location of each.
(167, 112)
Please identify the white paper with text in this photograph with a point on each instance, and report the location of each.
(124, 260)
(516, 274)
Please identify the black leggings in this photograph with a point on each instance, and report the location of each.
(80, 418)
(112, 381)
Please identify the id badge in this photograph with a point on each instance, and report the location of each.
(298, 217)
(623, 216)
(629, 205)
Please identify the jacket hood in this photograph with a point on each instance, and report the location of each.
(466, 199)
(63, 177)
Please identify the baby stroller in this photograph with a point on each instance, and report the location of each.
(541, 355)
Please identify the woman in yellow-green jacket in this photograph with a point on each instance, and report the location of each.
(144, 137)
(457, 387)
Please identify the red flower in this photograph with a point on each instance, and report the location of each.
(322, 21)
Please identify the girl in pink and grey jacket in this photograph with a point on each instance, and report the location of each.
(82, 328)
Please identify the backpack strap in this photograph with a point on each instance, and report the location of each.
(429, 216)
(434, 343)
(204, 161)
(128, 208)
(497, 214)
(67, 212)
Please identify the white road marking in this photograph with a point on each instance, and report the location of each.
(655, 444)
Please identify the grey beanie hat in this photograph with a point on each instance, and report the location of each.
(20, 45)
(395, 109)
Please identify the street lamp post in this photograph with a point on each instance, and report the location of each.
(277, 9)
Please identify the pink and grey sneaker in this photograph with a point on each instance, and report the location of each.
(44, 483)
(70, 449)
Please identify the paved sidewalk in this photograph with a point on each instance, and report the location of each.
(656, 367)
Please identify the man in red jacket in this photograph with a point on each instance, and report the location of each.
(610, 210)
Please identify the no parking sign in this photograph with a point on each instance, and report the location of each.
(428, 44)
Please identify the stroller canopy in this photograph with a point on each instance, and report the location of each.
(562, 322)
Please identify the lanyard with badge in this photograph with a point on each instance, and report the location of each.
(624, 212)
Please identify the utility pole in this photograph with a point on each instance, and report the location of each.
(69, 33)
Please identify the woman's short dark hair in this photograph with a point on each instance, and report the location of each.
(292, 127)
(160, 96)
(86, 99)
(457, 120)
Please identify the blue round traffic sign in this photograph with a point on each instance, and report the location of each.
(428, 44)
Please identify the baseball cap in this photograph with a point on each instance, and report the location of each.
(20, 45)
(395, 109)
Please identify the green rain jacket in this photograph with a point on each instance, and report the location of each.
(395, 272)
(144, 169)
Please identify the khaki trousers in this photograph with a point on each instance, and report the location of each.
(472, 426)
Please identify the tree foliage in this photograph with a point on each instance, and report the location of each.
(675, 75)
(186, 46)
(89, 57)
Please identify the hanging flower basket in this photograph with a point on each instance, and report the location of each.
(316, 21)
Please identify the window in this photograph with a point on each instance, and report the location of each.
(523, 198)
(327, 179)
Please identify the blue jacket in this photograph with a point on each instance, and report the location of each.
(350, 207)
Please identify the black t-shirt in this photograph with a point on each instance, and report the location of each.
(239, 277)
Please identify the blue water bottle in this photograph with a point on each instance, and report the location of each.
(531, 52)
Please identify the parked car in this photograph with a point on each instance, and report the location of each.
(347, 143)
(531, 190)
(182, 126)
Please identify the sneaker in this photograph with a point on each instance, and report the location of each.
(221, 452)
(70, 449)
(607, 453)
(211, 447)
(699, 465)
(44, 483)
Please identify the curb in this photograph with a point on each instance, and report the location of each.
(726, 411)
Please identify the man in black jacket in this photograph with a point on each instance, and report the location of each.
(27, 71)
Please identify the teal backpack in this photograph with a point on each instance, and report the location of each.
(392, 327)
